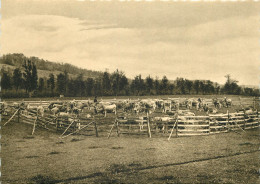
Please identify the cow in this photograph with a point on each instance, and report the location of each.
(226, 102)
(40, 111)
(217, 103)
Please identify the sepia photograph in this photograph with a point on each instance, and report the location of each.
(129, 92)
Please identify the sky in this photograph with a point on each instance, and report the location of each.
(194, 40)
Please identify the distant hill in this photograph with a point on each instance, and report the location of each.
(45, 67)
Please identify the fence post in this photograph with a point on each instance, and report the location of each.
(117, 128)
(244, 119)
(148, 126)
(18, 119)
(95, 124)
(177, 125)
(209, 122)
(257, 117)
(34, 124)
(254, 102)
(228, 121)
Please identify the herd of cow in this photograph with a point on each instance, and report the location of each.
(65, 108)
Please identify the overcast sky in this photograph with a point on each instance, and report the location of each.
(190, 40)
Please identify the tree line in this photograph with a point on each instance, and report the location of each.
(24, 82)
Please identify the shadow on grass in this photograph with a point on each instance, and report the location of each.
(74, 140)
(28, 137)
(117, 147)
(245, 143)
(32, 156)
(39, 179)
(54, 153)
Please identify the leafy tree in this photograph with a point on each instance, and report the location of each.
(157, 86)
(34, 78)
(188, 85)
(164, 84)
(123, 83)
(41, 84)
(196, 86)
(202, 87)
(5, 81)
(51, 82)
(106, 84)
(149, 84)
(89, 86)
(181, 85)
(97, 87)
(61, 84)
(17, 79)
(79, 85)
(27, 74)
(231, 86)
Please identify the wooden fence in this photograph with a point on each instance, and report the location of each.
(134, 124)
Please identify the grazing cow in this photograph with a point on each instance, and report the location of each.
(110, 108)
(249, 111)
(212, 110)
(217, 103)
(63, 114)
(128, 107)
(188, 103)
(40, 110)
(226, 102)
(4, 107)
(55, 110)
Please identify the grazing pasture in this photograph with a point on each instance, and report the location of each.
(131, 157)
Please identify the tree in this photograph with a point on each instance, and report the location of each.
(27, 74)
(34, 78)
(5, 81)
(119, 82)
(61, 84)
(181, 85)
(202, 87)
(231, 86)
(89, 86)
(79, 85)
(149, 84)
(106, 84)
(17, 79)
(196, 86)
(157, 86)
(51, 82)
(188, 85)
(164, 85)
(97, 87)
(115, 77)
(41, 84)
(123, 83)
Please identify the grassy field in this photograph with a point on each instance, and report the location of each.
(45, 158)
